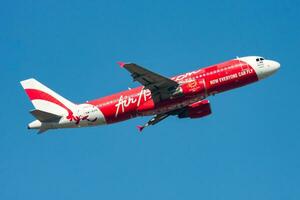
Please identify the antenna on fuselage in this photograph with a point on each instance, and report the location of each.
(239, 60)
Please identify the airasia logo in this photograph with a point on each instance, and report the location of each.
(126, 101)
(79, 118)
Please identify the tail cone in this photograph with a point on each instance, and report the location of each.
(35, 125)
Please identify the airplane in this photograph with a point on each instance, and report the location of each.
(183, 95)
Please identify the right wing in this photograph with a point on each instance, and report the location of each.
(161, 87)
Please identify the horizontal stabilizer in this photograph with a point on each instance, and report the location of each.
(42, 131)
(45, 116)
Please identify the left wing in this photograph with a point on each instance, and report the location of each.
(159, 117)
(154, 120)
(161, 87)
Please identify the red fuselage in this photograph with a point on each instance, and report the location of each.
(182, 96)
(194, 86)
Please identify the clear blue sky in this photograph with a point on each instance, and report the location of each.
(247, 149)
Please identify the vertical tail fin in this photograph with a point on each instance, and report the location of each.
(46, 100)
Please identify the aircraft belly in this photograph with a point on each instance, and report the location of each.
(171, 105)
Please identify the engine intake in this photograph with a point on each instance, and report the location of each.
(196, 110)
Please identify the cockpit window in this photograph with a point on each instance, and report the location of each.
(259, 59)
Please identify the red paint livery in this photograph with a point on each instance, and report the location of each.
(182, 95)
(195, 86)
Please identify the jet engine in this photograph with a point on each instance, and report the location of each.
(196, 110)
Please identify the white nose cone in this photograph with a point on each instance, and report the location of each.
(263, 68)
(270, 68)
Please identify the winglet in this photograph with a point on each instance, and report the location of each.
(140, 128)
(121, 64)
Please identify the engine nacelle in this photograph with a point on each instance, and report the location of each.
(196, 110)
